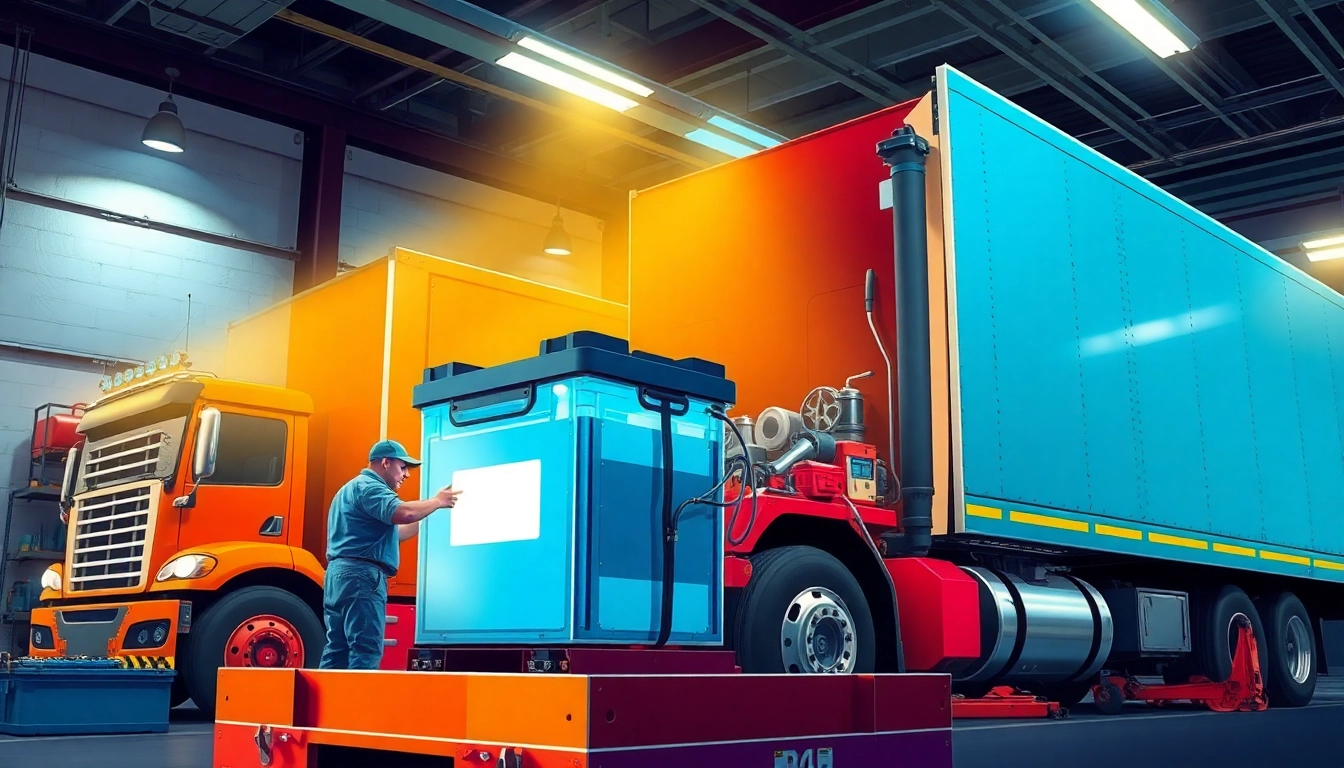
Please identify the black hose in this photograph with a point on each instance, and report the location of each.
(665, 406)
(706, 499)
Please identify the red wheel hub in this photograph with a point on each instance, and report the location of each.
(264, 641)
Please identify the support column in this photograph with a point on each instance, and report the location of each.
(320, 207)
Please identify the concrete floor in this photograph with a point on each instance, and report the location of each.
(1179, 738)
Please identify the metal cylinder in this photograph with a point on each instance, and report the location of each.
(906, 153)
(731, 447)
(775, 428)
(849, 426)
(1055, 631)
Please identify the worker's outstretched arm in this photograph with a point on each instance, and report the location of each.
(410, 512)
(406, 515)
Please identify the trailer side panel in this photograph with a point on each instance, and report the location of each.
(1132, 375)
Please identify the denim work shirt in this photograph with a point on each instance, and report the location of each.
(359, 523)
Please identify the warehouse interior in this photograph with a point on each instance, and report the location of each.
(172, 168)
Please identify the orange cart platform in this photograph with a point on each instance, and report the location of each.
(286, 718)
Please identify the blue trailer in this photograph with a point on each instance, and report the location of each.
(1119, 421)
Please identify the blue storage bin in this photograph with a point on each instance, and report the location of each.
(62, 697)
(557, 538)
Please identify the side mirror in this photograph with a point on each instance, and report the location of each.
(207, 445)
(68, 481)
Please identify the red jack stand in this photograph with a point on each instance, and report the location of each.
(1244, 690)
(1001, 702)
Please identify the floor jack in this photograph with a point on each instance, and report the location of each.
(1243, 691)
(1004, 702)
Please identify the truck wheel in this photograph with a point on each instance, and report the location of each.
(1290, 678)
(1214, 631)
(803, 612)
(253, 627)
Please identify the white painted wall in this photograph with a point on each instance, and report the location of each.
(79, 284)
(96, 290)
(387, 203)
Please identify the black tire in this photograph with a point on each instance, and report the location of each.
(1110, 700)
(1212, 631)
(777, 577)
(179, 694)
(1287, 628)
(205, 651)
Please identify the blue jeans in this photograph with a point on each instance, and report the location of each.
(354, 602)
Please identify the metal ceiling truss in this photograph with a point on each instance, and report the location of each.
(1046, 63)
(805, 48)
(1282, 15)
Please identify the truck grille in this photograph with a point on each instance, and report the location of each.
(111, 532)
(123, 460)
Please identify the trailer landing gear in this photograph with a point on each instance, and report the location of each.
(1243, 691)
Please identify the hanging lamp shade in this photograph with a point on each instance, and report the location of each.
(557, 240)
(164, 130)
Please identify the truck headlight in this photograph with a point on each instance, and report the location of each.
(186, 567)
(51, 579)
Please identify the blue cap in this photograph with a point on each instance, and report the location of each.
(391, 449)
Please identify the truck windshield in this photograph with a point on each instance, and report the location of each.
(136, 437)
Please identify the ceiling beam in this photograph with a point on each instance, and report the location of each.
(802, 47)
(1285, 20)
(1310, 13)
(330, 48)
(1011, 44)
(142, 59)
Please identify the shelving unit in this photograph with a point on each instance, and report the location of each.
(41, 496)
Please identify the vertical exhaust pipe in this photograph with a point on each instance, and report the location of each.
(906, 153)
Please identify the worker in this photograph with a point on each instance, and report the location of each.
(366, 523)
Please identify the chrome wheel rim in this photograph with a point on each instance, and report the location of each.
(1297, 650)
(817, 634)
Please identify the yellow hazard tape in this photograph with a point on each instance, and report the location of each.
(146, 662)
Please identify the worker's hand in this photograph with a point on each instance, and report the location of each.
(447, 497)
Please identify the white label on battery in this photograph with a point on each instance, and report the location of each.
(498, 503)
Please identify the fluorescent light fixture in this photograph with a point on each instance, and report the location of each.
(565, 81)
(586, 67)
(741, 130)
(1327, 242)
(1326, 254)
(1151, 24)
(724, 145)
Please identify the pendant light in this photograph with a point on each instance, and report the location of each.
(164, 130)
(557, 240)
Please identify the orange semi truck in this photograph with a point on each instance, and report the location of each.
(198, 503)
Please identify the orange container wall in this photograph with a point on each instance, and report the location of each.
(330, 342)
(759, 264)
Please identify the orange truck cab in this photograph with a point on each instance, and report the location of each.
(197, 503)
(185, 545)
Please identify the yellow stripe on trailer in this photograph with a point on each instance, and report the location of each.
(1119, 533)
(975, 510)
(1233, 549)
(1177, 541)
(1046, 521)
(1284, 558)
